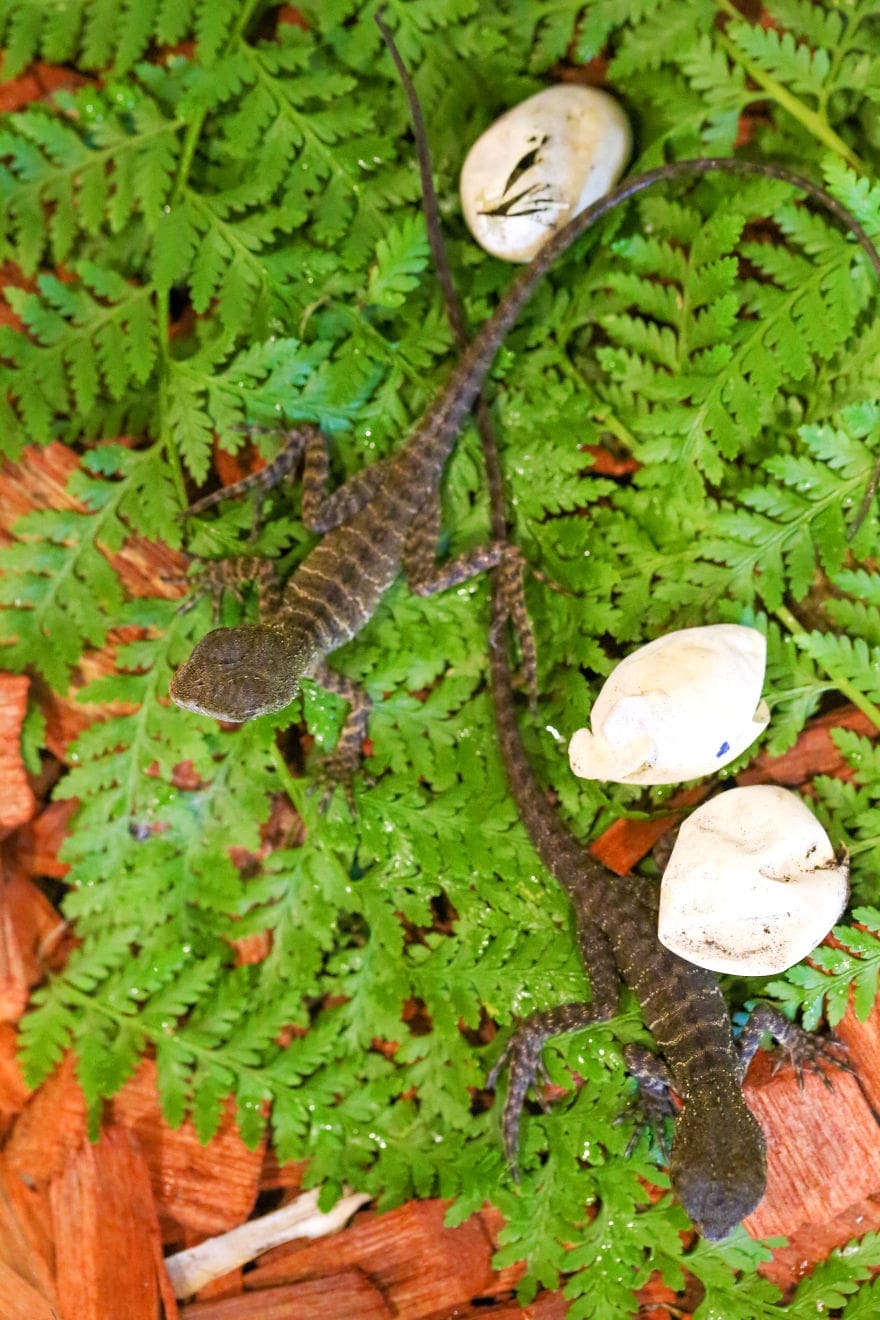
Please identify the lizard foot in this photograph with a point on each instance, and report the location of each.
(338, 770)
(804, 1050)
(522, 1055)
(219, 577)
(653, 1104)
(809, 1053)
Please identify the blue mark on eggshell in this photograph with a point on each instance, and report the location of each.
(723, 749)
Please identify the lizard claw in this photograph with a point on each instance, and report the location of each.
(523, 1053)
(808, 1053)
(648, 1111)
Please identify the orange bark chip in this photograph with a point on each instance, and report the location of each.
(809, 1245)
(13, 1091)
(20, 1301)
(626, 842)
(822, 1150)
(38, 927)
(330, 1298)
(51, 1127)
(814, 752)
(106, 1232)
(25, 1243)
(13, 977)
(207, 1189)
(862, 1040)
(37, 844)
(39, 481)
(420, 1266)
(17, 801)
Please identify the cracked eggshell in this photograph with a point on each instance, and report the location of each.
(540, 164)
(752, 885)
(679, 708)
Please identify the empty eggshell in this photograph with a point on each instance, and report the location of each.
(752, 885)
(681, 707)
(539, 165)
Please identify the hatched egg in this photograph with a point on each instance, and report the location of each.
(752, 885)
(539, 165)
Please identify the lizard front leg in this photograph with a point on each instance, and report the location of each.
(321, 510)
(806, 1051)
(217, 576)
(425, 578)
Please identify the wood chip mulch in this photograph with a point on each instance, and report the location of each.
(83, 1227)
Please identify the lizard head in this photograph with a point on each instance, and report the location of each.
(239, 673)
(718, 1166)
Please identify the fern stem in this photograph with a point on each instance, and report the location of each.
(169, 447)
(814, 123)
(194, 131)
(292, 787)
(843, 684)
(609, 421)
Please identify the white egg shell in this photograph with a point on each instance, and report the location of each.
(681, 707)
(752, 885)
(539, 165)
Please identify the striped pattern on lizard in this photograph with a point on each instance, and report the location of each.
(385, 516)
(718, 1156)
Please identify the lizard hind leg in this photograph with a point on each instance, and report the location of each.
(285, 461)
(523, 1056)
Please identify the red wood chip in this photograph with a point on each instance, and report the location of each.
(422, 1268)
(106, 1232)
(19, 1301)
(51, 1127)
(38, 481)
(626, 842)
(811, 1243)
(206, 1189)
(332, 1297)
(13, 978)
(812, 754)
(25, 1241)
(37, 843)
(13, 1092)
(35, 84)
(823, 1155)
(17, 801)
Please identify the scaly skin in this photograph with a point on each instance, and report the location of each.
(238, 673)
(718, 1158)
(718, 1165)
